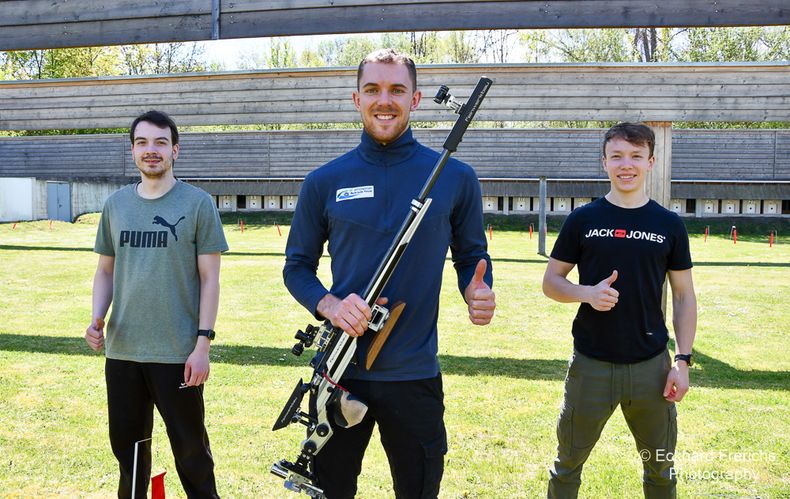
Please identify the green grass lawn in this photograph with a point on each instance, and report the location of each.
(503, 383)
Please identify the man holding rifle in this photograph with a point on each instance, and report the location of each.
(356, 204)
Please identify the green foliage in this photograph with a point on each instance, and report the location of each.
(61, 63)
(720, 45)
(281, 54)
(459, 48)
(346, 51)
(594, 45)
(310, 59)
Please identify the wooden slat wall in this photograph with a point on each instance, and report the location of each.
(695, 92)
(27, 24)
(71, 156)
(749, 155)
(742, 155)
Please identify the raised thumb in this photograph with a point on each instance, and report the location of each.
(611, 278)
(480, 271)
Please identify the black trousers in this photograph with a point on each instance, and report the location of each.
(133, 389)
(410, 419)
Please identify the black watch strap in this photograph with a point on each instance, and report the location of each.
(686, 357)
(208, 333)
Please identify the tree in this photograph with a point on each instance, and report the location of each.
(724, 44)
(535, 43)
(460, 48)
(60, 63)
(310, 59)
(352, 50)
(281, 54)
(163, 58)
(496, 45)
(777, 43)
(593, 45)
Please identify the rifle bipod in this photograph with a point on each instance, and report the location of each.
(336, 349)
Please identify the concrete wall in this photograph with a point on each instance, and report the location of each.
(16, 199)
(89, 197)
(26, 198)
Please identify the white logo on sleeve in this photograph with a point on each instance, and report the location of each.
(349, 193)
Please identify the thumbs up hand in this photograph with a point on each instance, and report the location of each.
(479, 297)
(603, 297)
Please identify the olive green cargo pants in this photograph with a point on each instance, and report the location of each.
(593, 390)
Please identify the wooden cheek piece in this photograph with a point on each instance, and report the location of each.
(381, 336)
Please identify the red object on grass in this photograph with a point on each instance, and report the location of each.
(490, 232)
(706, 234)
(278, 230)
(13, 227)
(734, 236)
(242, 226)
(530, 231)
(771, 240)
(158, 486)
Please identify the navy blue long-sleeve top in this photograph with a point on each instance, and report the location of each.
(357, 203)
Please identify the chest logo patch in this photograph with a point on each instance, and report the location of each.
(626, 234)
(349, 193)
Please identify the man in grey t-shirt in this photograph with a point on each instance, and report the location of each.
(159, 243)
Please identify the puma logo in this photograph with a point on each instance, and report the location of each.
(161, 221)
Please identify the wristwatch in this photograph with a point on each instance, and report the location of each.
(686, 357)
(208, 333)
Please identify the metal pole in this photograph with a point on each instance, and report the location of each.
(134, 468)
(215, 19)
(542, 218)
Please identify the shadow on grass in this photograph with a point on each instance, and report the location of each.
(742, 264)
(541, 260)
(711, 372)
(11, 247)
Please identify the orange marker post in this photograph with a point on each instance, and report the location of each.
(771, 240)
(530, 231)
(278, 230)
(490, 232)
(734, 236)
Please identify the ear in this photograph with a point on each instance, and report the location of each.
(355, 98)
(175, 151)
(415, 100)
(651, 162)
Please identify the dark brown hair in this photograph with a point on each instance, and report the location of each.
(159, 119)
(634, 133)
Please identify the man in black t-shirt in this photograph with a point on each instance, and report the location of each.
(624, 244)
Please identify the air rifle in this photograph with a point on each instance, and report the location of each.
(336, 349)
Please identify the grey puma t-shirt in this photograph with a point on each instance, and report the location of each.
(156, 285)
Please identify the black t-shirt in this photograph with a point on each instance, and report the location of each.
(642, 244)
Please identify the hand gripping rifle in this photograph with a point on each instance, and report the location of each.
(336, 349)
